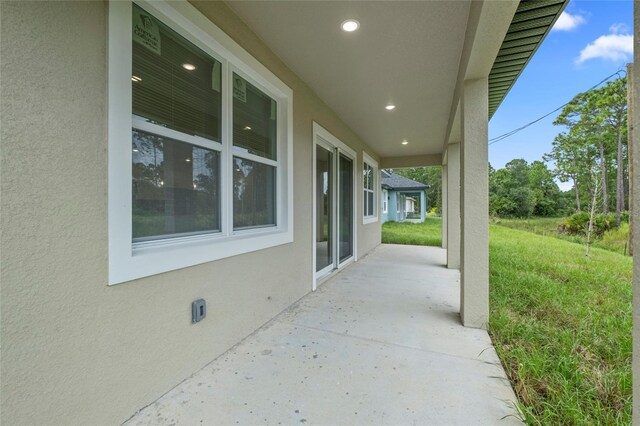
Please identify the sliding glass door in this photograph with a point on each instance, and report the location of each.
(334, 207)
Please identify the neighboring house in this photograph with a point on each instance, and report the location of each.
(158, 153)
(400, 197)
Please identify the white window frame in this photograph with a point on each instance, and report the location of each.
(130, 260)
(373, 164)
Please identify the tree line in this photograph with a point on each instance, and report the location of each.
(591, 152)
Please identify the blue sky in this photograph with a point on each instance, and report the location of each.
(588, 43)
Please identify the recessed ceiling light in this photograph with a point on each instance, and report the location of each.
(189, 67)
(135, 78)
(390, 107)
(405, 142)
(247, 127)
(188, 160)
(135, 149)
(350, 25)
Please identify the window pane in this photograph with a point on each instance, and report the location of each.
(175, 84)
(254, 194)
(175, 187)
(371, 211)
(324, 206)
(364, 177)
(365, 209)
(254, 119)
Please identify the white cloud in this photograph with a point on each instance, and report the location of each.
(619, 29)
(615, 47)
(568, 22)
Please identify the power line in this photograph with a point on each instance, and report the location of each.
(513, 132)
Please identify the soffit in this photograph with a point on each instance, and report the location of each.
(405, 53)
(530, 25)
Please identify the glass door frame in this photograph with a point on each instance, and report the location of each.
(324, 139)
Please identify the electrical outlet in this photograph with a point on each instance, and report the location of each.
(198, 310)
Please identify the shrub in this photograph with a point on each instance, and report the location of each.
(624, 217)
(578, 224)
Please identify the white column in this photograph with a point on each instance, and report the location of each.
(453, 206)
(474, 212)
(443, 213)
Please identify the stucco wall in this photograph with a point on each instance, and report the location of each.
(75, 351)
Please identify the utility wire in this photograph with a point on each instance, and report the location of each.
(513, 132)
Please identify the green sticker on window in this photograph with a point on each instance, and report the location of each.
(239, 88)
(145, 31)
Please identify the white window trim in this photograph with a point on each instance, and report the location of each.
(367, 159)
(128, 260)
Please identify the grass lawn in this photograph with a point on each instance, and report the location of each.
(561, 323)
(427, 233)
(614, 240)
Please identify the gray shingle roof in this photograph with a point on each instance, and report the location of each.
(394, 181)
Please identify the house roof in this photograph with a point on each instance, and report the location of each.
(394, 181)
(530, 25)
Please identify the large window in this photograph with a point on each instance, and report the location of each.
(369, 185)
(204, 169)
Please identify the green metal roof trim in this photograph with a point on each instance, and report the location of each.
(530, 25)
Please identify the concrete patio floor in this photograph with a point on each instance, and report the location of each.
(379, 343)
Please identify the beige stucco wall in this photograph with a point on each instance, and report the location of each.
(75, 351)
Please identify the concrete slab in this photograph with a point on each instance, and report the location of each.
(380, 343)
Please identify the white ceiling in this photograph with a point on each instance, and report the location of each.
(405, 53)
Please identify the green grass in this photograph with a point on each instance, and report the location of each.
(427, 233)
(560, 322)
(614, 240)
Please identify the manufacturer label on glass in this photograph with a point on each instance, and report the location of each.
(239, 88)
(146, 31)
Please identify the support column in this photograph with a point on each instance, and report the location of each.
(443, 213)
(423, 206)
(392, 206)
(453, 206)
(474, 213)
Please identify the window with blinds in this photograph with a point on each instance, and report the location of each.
(175, 86)
(177, 138)
(200, 143)
(255, 156)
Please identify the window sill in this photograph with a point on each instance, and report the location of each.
(156, 257)
(369, 219)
